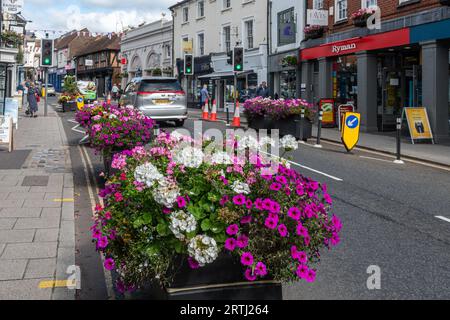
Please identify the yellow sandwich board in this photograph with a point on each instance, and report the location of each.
(418, 123)
(350, 130)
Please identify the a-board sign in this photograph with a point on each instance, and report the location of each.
(12, 110)
(6, 131)
(342, 109)
(327, 106)
(350, 130)
(419, 124)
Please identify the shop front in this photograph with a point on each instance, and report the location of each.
(284, 72)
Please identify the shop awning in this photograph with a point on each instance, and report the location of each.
(223, 75)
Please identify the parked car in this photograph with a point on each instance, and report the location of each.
(160, 98)
(50, 89)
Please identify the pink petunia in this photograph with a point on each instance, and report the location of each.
(242, 241)
(230, 244)
(310, 276)
(247, 259)
(260, 269)
(302, 271)
(181, 202)
(232, 229)
(239, 200)
(282, 229)
(271, 223)
(294, 213)
(301, 230)
(249, 275)
(109, 264)
(118, 197)
(193, 264)
(246, 220)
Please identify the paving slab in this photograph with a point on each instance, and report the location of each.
(40, 268)
(4, 195)
(26, 195)
(12, 269)
(33, 250)
(46, 235)
(44, 222)
(41, 204)
(20, 212)
(16, 236)
(11, 203)
(7, 223)
(24, 290)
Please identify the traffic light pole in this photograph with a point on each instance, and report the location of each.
(45, 95)
(235, 92)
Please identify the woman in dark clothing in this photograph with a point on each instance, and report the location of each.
(32, 100)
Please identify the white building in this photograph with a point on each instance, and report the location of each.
(287, 20)
(210, 29)
(148, 50)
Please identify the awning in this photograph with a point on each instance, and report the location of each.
(224, 75)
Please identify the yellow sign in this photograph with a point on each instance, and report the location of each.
(419, 126)
(188, 46)
(350, 130)
(80, 102)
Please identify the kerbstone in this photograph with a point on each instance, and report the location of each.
(20, 212)
(40, 268)
(16, 236)
(67, 232)
(33, 250)
(12, 269)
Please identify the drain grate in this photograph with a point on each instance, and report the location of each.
(35, 181)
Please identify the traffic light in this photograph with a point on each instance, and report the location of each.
(46, 52)
(230, 57)
(238, 59)
(188, 64)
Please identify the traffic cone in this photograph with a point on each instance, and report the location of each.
(213, 116)
(237, 116)
(108, 101)
(205, 110)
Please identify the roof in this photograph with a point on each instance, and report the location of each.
(65, 40)
(100, 43)
(180, 3)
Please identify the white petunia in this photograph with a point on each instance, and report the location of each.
(289, 142)
(147, 174)
(221, 158)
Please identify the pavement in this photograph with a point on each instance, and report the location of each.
(37, 211)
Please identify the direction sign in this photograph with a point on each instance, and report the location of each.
(80, 102)
(350, 130)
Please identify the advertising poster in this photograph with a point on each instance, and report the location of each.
(327, 106)
(418, 123)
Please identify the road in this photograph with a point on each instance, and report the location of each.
(388, 212)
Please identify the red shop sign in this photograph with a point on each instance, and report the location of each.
(373, 42)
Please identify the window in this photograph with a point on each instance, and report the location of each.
(318, 4)
(226, 4)
(227, 38)
(341, 10)
(201, 9)
(249, 33)
(201, 44)
(185, 14)
(368, 3)
(168, 51)
(286, 27)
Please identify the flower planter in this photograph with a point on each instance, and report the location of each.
(292, 126)
(70, 106)
(107, 161)
(221, 280)
(360, 22)
(259, 122)
(445, 2)
(314, 34)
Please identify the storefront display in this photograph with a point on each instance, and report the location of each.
(288, 84)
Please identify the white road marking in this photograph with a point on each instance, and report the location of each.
(72, 121)
(307, 168)
(443, 218)
(87, 165)
(372, 158)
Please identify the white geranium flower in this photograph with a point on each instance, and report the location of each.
(166, 193)
(203, 249)
(221, 158)
(188, 156)
(112, 116)
(240, 187)
(176, 135)
(182, 223)
(289, 142)
(247, 142)
(147, 174)
(266, 141)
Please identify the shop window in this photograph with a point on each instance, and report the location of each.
(346, 83)
(288, 84)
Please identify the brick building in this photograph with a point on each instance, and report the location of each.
(404, 62)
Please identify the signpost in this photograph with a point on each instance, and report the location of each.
(327, 106)
(6, 131)
(350, 130)
(419, 124)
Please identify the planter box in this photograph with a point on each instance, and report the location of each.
(314, 34)
(445, 2)
(259, 122)
(69, 106)
(293, 126)
(221, 280)
(360, 22)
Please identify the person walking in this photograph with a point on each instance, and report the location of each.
(115, 92)
(263, 91)
(33, 99)
(204, 95)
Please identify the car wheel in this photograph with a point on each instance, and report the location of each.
(179, 123)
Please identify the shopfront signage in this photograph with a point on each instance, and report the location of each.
(372, 42)
(419, 124)
(317, 17)
(350, 130)
(89, 63)
(327, 106)
(6, 131)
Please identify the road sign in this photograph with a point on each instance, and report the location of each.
(80, 102)
(350, 130)
(418, 123)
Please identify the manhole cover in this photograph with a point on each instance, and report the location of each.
(35, 181)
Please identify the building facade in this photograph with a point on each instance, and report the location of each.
(147, 50)
(286, 20)
(402, 62)
(98, 61)
(209, 30)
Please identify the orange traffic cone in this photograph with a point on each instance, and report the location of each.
(108, 101)
(213, 116)
(237, 116)
(205, 110)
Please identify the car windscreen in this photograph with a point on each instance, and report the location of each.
(160, 85)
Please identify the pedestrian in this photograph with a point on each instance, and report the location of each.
(33, 99)
(204, 95)
(263, 91)
(115, 92)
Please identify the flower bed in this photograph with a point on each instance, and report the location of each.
(174, 199)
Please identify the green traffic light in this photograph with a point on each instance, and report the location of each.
(47, 61)
(188, 70)
(238, 67)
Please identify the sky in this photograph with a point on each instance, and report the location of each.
(96, 15)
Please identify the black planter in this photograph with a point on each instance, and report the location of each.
(221, 280)
(360, 22)
(69, 106)
(314, 34)
(445, 2)
(293, 126)
(259, 123)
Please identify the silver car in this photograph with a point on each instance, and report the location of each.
(160, 98)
